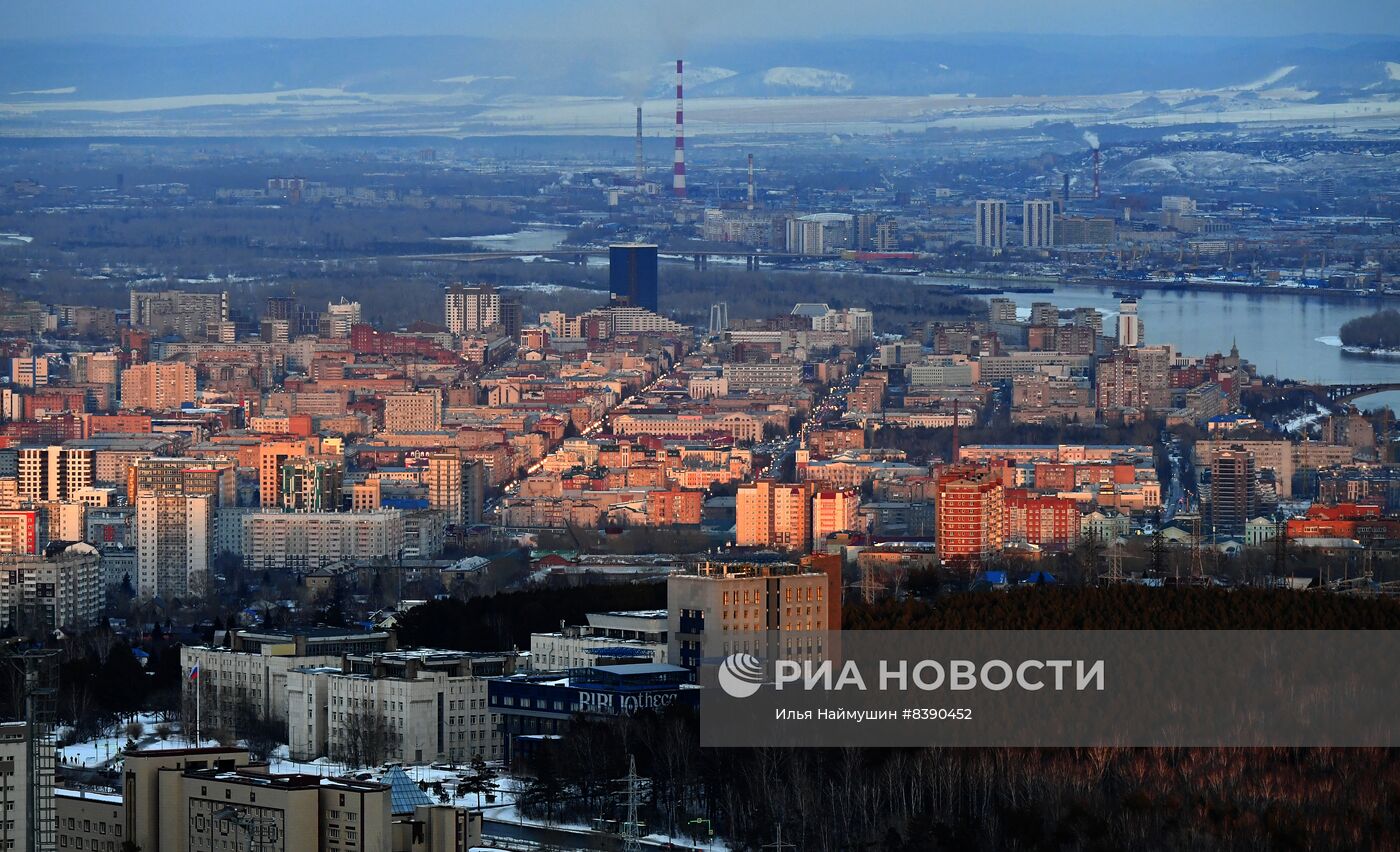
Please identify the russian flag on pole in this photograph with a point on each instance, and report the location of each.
(194, 672)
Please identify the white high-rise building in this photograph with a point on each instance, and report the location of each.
(55, 474)
(471, 309)
(991, 224)
(1129, 325)
(1038, 223)
(339, 318)
(174, 544)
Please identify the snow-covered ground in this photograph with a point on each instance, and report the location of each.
(104, 752)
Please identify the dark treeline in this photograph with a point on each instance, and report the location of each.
(912, 800)
(1128, 607)
(920, 800)
(1380, 330)
(101, 681)
(507, 620)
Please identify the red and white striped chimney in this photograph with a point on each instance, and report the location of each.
(678, 180)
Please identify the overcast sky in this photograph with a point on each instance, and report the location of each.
(700, 19)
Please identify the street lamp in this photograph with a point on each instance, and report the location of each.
(709, 830)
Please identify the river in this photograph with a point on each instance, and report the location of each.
(1293, 336)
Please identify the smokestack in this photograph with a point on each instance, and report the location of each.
(640, 177)
(1096, 173)
(751, 181)
(678, 180)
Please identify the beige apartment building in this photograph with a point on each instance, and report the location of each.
(249, 677)
(54, 474)
(218, 800)
(413, 411)
(415, 706)
(774, 514)
(778, 611)
(309, 540)
(158, 386)
(743, 427)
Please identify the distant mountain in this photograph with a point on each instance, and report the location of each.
(484, 68)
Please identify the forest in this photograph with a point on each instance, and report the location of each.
(913, 800)
(1380, 330)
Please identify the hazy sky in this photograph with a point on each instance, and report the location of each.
(702, 19)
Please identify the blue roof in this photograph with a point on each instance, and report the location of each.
(404, 794)
(618, 652)
(996, 578)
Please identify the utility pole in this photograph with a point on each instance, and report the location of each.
(632, 827)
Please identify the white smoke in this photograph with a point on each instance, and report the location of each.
(1092, 138)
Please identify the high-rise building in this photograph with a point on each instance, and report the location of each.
(413, 411)
(174, 545)
(1233, 498)
(212, 477)
(833, 511)
(1001, 309)
(467, 310)
(1044, 313)
(59, 588)
(1089, 317)
(98, 368)
(970, 513)
(279, 308)
(177, 312)
(31, 371)
(271, 456)
(15, 777)
(990, 229)
(311, 485)
(339, 318)
(774, 514)
(1038, 223)
(55, 474)
(456, 486)
(1129, 325)
(158, 386)
(299, 541)
(773, 611)
(21, 531)
(886, 235)
(632, 275)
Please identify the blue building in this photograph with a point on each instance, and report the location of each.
(632, 275)
(537, 705)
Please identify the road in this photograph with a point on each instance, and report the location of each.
(560, 838)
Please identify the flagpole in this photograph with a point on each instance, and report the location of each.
(197, 691)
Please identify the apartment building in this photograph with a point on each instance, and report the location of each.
(60, 588)
(970, 513)
(248, 679)
(55, 474)
(158, 386)
(774, 514)
(301, 541)
(413, 411)
(772, 611)
(415, 706)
